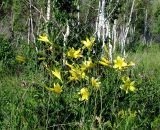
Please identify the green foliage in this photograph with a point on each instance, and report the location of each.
(156, 18)
(64, 10)
(7, 56)
(5, 8)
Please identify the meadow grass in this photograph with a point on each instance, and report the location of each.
(25, 105)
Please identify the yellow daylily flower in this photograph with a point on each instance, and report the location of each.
(88, 43)
(20, 58)
(84, 93)
(74, 53)
(119, 63)
(57, 74)
(87, 65)
(104, 61)
(56, 88)
(95, 83)
(128, 84)
(76, 74)
(44, 38)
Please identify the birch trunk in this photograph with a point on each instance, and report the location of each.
(78, 14)
(48, 10)
(67, 32)
(122, 35)
(98, 22)
(65, 36)
(114, 34)
(103, 29)
(31, 36)
(126, 30)
(108, 35)
(103, 22)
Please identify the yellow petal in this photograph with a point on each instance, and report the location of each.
(57, 74)
(20, 58)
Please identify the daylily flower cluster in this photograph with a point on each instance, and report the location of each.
(79, 67)
(78, 72)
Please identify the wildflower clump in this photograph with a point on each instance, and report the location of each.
(81, 81)
(80, 66)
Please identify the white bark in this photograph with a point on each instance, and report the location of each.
(108, 35)
(103, 21)
(67, 32)
(114, 34)
(100, 20)
(48, 10)
(122, 35)
(65, 40)
(103, 29)
(97, 21)
(78, 14)
(31, 36)
(126, 30)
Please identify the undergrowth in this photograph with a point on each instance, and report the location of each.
(30, 100)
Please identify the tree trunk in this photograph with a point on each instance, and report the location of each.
(31, 36)
(114, 34)
(48, 10)
(126, 30)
